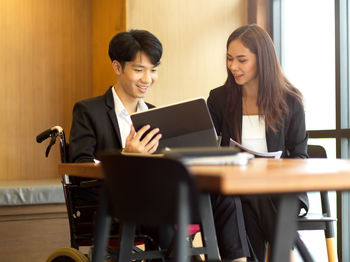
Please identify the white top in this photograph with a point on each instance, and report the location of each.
(123, 117)
(253, 133)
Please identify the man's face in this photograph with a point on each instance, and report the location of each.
(136, 77)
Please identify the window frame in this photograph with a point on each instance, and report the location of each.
(342, 131)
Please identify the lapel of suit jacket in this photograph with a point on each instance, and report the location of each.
(273, 140)
(111, 113)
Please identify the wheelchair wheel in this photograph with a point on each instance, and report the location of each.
(67, 254)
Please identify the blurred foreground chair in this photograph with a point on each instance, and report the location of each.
(169, 197)
(322, 221)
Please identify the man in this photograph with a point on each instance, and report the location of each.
(103, 123)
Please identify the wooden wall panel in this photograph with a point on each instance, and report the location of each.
(259, 12)
(45, 66)
(108, 19)
(194, 35)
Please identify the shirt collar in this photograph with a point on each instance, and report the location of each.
(119, 107)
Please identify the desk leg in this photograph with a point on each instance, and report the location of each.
(208, 227)
(102, 229)
(126, 242)
(285, 232)
(183, 220)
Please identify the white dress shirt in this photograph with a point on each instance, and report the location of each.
(253, 133)
(123, 117)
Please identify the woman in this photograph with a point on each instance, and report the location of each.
(259, 108)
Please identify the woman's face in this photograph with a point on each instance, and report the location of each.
(242, 64)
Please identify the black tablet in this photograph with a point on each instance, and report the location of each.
(184, 124)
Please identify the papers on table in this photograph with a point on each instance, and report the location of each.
(276, 154)
(208, 155)
(237, 159)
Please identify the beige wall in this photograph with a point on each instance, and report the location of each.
(193, 34)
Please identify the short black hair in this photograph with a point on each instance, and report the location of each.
(124, 46)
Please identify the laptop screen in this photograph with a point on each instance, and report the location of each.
(184, 124)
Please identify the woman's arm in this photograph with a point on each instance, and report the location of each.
(296, 136)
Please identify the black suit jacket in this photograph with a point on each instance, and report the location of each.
(94, 128)
(291, 137)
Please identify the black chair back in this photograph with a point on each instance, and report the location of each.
(151, 191)
(146, 190)
(316, 151)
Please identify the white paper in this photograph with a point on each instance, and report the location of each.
(236, 159)
(276, 155)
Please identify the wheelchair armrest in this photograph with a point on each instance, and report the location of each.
(91, 183)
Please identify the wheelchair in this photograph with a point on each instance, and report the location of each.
(82, 210)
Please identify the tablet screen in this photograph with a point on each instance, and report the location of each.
(184, 124)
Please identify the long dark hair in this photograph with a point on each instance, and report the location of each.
(274, 87)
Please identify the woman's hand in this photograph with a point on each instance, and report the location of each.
(148, 144)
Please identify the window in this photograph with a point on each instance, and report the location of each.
(313, 41)
(308, 57)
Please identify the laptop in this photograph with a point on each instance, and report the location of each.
(184, 124)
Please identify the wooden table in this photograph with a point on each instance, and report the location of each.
(260, 176)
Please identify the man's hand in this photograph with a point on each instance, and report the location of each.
(148, 144)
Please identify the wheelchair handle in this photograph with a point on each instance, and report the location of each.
(43, 135)
(48, 133)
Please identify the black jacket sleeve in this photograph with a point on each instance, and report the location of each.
(296, 136)
(82, 136)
